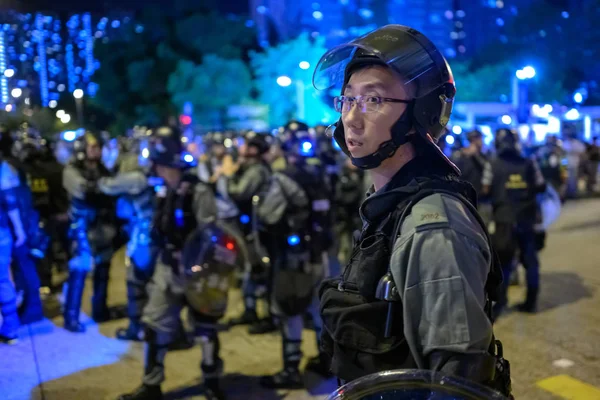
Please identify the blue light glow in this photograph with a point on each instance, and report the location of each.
(89, 44)
(40, 37)
(336, 145)
(69, 136)
(450, 139)
(318, 15)
(365, 13)
(293, 240)
(578, 98)
(214, 239)
(244, 219)
(306, 147)
(456, 130)
(70, 69)
(3, 80)
(188, 158)
(572, 114)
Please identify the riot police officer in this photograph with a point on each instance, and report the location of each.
(8, 298)
(92, 231)
(210, 170)
(512, 182)
(135, 205)
(247, 178)
(44, 178)
(471, 160)
(185, 213)
(298, 250)
(349, 194)
(415, 291)
(24, 220)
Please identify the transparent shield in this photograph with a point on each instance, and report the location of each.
(408, 52)
(413, 385)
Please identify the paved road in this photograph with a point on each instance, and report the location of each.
(554, 354)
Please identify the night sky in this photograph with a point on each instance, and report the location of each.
(235, 6)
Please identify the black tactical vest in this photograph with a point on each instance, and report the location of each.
(102, 203)
(174, 221)
(354, 320)
(513, 190)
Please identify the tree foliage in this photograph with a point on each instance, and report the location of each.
(210, 87)
(135, 70)
(284, 60)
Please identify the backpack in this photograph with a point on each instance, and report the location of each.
(281, 195)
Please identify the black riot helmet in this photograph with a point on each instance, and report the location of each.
(166, 146)
(86, 139)
(260, 140)
(507, 141)
(418, 63)
(474, 135)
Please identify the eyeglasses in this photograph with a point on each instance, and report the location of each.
(366, 104)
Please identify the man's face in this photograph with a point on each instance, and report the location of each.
(365, 132)
(93, 152)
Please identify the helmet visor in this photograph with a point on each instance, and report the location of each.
(408, 52)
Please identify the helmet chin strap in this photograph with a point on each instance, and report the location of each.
(388, 148)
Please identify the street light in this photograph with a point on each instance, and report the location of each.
(60, 113)
(65, 118)
(526, 73)
(304, 65)
(16, 93)
(52, 103)
(284, 81)
(9, 73)
(520, 93)
(78, 94)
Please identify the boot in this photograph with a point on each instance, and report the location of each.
(133, 332)
(100, 311)
(10, 321)
(289, 377)
(212, 389)
(530, 304)
(144, 392)
(320, 365)
(136, 300)
(73, 301)
(249, 317)
(27, 279)
(265, 325)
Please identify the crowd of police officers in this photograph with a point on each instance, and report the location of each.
(277, 213)
(172, 193)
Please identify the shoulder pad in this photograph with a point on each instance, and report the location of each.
(429, 212)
